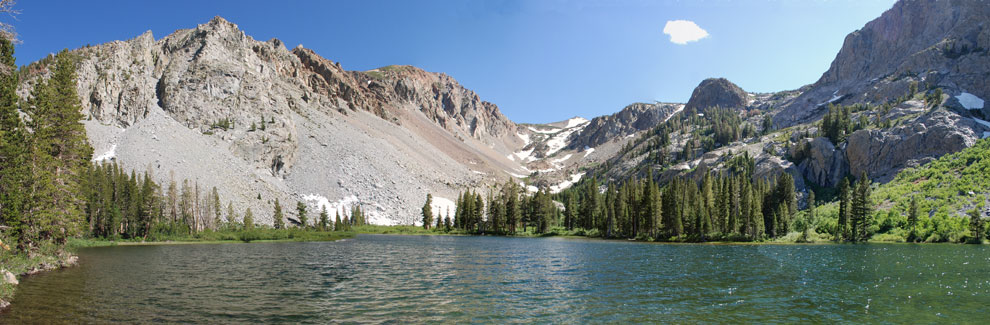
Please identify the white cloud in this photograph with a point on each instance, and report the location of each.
(683, 31)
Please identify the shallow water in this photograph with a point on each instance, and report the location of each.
(380, 278)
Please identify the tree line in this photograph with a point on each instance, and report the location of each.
(729, 205)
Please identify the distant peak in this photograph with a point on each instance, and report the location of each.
(219, 20)
(218, 23)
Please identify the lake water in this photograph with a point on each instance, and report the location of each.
(414, 279)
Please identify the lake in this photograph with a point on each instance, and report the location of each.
(415, 279)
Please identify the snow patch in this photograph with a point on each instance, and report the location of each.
(678, 110)
(559, 140)
(532, 189)
(525, 155)
(588, 151)
(108, 155)
(344, 206)
(985, 123)
(442, 207)
(575, 122)
(970, 101)
(525, 138)
(516, 175)
(477, 172)
(566, 183)
(985, 135)
(565, 158)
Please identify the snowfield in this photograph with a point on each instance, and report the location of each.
(344, 206)
(588, 151)
(575, 122)
(108, 155)
(566, 184)
(970, 101)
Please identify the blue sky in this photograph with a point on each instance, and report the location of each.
(538, 60)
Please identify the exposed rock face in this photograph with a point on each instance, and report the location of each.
(825, 165)
(633, 118)
(717, 92)
(882, 153)
(935, 43)
(253, 118)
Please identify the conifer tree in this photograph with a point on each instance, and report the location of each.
(14, 151)
(248, 219)
(976, 225)
(841, 228)
(301, 212)
(231, 215)
(861, 208)
(913, 217)
(337, 224)
(428, 212)
(279, 223)
(60, 155)
(324, 219)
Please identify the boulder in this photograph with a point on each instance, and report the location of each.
(9, 278)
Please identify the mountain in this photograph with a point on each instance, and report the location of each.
(214, 106)
(932, 43)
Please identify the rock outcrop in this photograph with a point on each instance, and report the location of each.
(882, 153)
(719, 92)
(825, 164)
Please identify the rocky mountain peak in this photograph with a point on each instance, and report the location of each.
(717, 92)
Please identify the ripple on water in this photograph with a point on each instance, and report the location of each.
(492, 279)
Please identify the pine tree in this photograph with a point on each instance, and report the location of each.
(279, 223)
(428, 212)
(60, 155)
(248, 219)
(844, 196)
(976, 225)
(324, 219)
(337, 224)
(231, 215)
(301, 211)
(913, 217)
(14, 151)
(861, 208)
(217, 205)
(447, 223)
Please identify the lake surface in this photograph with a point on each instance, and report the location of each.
(403, 279)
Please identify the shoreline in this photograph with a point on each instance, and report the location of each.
(400, 230)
